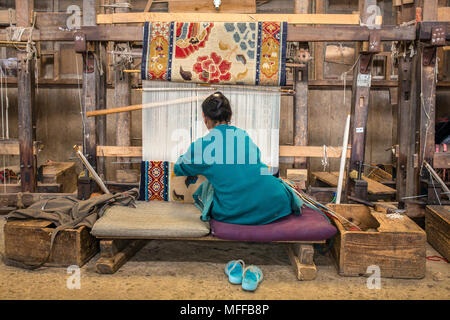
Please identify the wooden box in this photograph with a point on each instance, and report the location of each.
(397, 246)
(437, 227)
(28, 241)
(63, 173)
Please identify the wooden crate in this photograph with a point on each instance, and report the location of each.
(397, 246)
(28, 241)
(437, 227)
(63, 173)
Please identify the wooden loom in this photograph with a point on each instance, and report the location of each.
(93, 86)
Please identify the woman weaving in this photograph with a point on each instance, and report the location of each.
(244, 190)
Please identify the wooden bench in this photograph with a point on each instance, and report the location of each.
(115, 252)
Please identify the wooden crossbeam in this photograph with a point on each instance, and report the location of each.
(285, 151)
(139, 17)
(302, 33)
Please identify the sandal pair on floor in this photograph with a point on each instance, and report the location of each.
(249, 277)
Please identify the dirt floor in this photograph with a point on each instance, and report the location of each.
(194, 270)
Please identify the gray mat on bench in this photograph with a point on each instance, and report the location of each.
(154, 219)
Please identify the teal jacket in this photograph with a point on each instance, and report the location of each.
(240, 188)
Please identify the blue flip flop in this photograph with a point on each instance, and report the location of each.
(233, 270)
(251, 278)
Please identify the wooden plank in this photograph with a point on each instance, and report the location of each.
(297, 175)
(443, 14)
(285, 151)
(40, 188)
(22, 200)
(232, 6)
(206, 238)
(12, 148)
(136, 17)
(6, 16)
(373, 187)
(379, 175)
(327, 177)
(119, 151)
(441, 160)
(310, 151)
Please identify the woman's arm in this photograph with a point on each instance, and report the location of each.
(191, 163)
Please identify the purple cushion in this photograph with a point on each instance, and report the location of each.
(309, 226)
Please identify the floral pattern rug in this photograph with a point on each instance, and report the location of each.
(251, 53)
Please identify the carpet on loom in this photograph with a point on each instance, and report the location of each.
(158, 182)
(252, 53)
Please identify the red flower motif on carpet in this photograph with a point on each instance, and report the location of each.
(213, 69)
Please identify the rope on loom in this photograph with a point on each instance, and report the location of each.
(311, 203)
(427, 114)
(15, 34)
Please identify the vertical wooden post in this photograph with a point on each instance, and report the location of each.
(25, 86)
(301, 99)
(429, 11)
(406, 127)
(101, 104)
(426, 111)
(90, 88)
(301, 113)
(426, 101)
(122, 98)
(319, 47)
(359, 115)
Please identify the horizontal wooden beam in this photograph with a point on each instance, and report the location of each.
(285, 151)
(119, 151)
(424, 29)
(27, 199)
(311, 151)
(41, 187)
(8, 147)
(294, 34)
(349, 33)
(139, 17)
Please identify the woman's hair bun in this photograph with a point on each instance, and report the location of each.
(217, 107)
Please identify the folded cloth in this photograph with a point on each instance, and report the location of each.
(69, 212)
